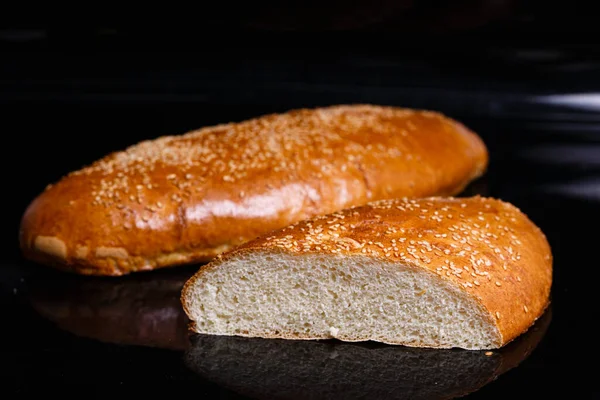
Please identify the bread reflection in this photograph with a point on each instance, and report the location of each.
(142, 310)
(281, 369)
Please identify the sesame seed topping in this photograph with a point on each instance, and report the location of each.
(302, 140)
(469, 252)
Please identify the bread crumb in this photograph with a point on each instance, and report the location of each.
(488, 353)
(334, 331)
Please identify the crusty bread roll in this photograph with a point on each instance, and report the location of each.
(184, 199)
(284, 369)
(471, 273)
(138, 310)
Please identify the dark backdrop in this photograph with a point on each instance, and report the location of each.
(525, 75)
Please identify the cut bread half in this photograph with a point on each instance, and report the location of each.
(439, 272)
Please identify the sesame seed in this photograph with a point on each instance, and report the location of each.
(469, 247)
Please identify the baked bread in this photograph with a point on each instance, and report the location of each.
(286, 369)
(137, 310)
(471, 273)
(185, 199)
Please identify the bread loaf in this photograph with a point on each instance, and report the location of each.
(471, 273)
(184, 199)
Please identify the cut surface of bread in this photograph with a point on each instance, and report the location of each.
(470, 273)
(184, 199)
(352, 298)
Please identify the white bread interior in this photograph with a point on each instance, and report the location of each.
(348, 297)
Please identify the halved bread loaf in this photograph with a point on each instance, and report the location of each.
(472, 273)
(185, 199)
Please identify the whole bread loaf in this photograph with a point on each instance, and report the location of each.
(471, 273)
(184, 199)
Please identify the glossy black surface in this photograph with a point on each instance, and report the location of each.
(92, 337)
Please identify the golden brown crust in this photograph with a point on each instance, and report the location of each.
(486, 247)
(183, 199)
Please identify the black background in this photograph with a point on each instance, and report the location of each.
(76, 85)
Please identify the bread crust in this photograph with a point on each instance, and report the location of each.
(484, 247)
(183, 199)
